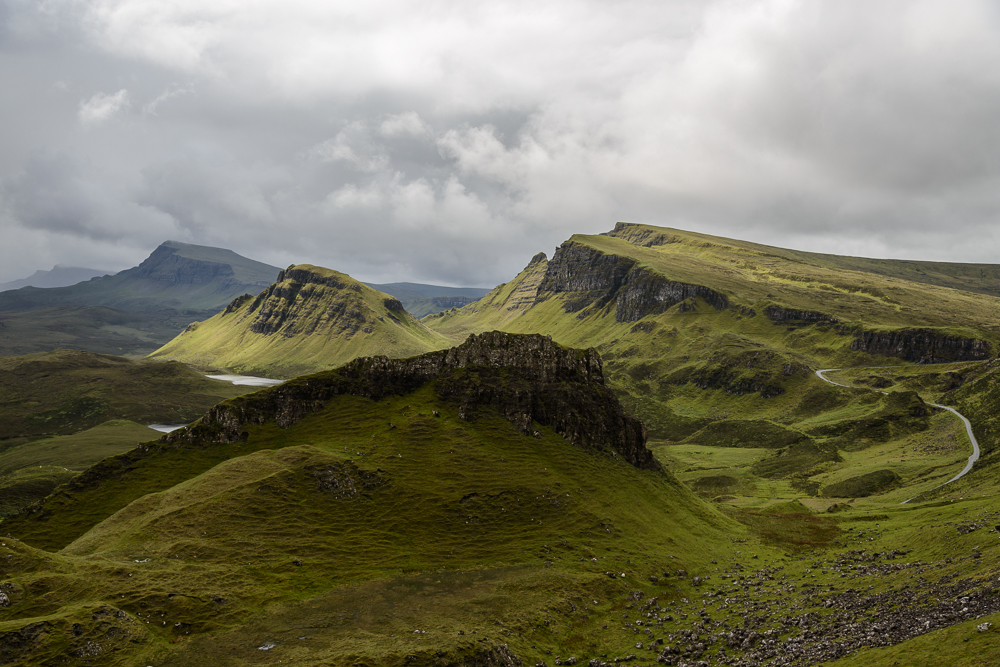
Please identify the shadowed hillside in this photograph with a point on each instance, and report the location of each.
(134, 311)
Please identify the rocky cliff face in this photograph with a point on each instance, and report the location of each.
(593, 279)
(525, 289)
(526, 378)
(922, 346)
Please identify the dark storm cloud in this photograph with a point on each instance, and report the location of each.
(449, 143)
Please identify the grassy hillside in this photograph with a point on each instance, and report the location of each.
(385, 515)
(408, 528)
(692, 327)
(62, 411)
(311, 318)
(31, 471)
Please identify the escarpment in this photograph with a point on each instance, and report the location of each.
(590, 278)
(526, 378)
(922, 346)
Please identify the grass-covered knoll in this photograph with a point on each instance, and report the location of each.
(417, 511)
(312, 318)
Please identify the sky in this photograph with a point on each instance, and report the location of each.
(448, 142)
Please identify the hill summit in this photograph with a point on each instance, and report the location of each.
(310, 318)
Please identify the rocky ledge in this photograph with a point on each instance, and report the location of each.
(922, 346)
(527, 379)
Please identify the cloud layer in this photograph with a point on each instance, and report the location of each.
(448, 142)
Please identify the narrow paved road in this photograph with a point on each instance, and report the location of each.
(968, 428)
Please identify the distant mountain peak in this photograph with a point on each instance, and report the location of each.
(177, 262)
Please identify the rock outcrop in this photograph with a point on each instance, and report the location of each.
(526, 378)
(590, 278)
(276, 305)
(641, 236)
(781, 314)
(922, 346)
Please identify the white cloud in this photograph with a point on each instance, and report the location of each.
(102, 107)
(403, 124)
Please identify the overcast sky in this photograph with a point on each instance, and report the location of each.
(447, 142)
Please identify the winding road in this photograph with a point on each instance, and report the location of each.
(968, 427)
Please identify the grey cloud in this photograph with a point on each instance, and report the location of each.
(450, 144)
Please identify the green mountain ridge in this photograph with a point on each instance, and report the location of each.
(492, 503)
(670, 310)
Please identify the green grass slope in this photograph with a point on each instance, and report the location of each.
(409, 510)
(31, 471)
(67, 391)
(402, 512)
(310, 319)
(62, 411)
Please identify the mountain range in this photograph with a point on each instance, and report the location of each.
(654, 446)
(58, 276)
(138, 310)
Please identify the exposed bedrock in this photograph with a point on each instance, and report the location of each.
(589, 277)
(526, 378)
(922, 346)
(781, 314)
